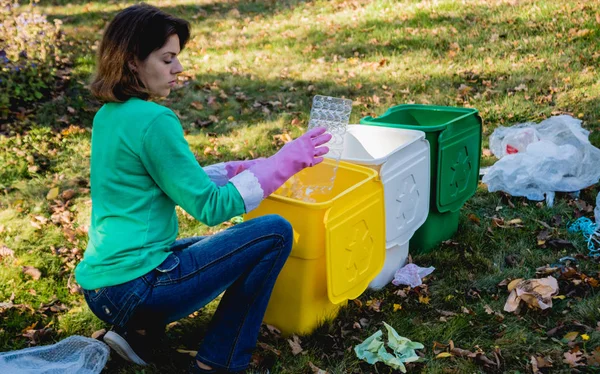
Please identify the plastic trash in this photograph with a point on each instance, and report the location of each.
(563, 159)
(590, 232)
(510, 140)
(334, 114)
(75, 354)
(373, 349)
(411, 275)
(535, 293)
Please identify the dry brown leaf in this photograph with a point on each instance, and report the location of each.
(36, 336)
(99, 334)
(269, 348)
(593, 359)
(295, 345)
(473, 218)
(197, 105)
(374, 304)
(68, 194)
(32, 272)
(188, 352)
(6, 252)
(488, 309)
(573, 358)
(315, 369)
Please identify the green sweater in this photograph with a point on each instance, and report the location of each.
(141, 168)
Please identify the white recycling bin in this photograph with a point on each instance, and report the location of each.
(402, 159)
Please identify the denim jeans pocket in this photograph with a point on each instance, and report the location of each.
(115, 304)
(167, 272)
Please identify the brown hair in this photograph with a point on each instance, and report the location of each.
(136, 31)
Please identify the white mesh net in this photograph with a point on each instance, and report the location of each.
(75, 354)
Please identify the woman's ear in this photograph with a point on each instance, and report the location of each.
(132, 66)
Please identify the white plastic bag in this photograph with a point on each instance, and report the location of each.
(73, 355)
(510, 140)
(562, 160)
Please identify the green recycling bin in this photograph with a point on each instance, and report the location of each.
(454, 136)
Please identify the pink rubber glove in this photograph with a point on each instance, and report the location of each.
(235, 167)
(296, 155)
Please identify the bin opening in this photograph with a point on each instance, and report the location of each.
(421, 117)
(309, 180)
(372, 145)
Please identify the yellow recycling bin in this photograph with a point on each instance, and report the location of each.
(339, 245)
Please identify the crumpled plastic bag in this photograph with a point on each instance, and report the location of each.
(536, 293)
(373, 349)
(557, 156)
(412, 275)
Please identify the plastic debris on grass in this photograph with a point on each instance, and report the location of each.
(535, 293)
(537, 160)
(411, 275)
(374, 349)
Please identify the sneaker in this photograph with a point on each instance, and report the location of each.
(132, 346)
(195, 369)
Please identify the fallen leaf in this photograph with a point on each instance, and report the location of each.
(197, 105)
(36, 336)
(593, 359)
(295, 345)
(397, 307)
(99, 334)
(52, 194)
(315, 369)
(521, 87)
(6, 252)
(424, 299)
(570, 336)
(444, 355)
(374, 304)
(488, 309)
(68, 194)
(32, 272)
(473, 218)
(188, 352)
(269, 348)
(573, 358)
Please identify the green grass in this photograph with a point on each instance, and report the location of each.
(252, 68)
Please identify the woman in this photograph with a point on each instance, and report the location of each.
(135, 275)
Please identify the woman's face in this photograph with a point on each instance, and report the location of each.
(159, 70)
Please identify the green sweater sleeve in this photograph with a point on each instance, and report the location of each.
(167, 157)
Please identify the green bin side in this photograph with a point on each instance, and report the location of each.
(454, 136)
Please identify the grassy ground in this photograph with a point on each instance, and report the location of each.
(252, 69)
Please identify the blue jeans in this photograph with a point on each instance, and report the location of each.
(243, 260)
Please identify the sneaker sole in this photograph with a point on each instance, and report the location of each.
(120, 345)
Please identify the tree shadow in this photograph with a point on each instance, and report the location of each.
(191, 12)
